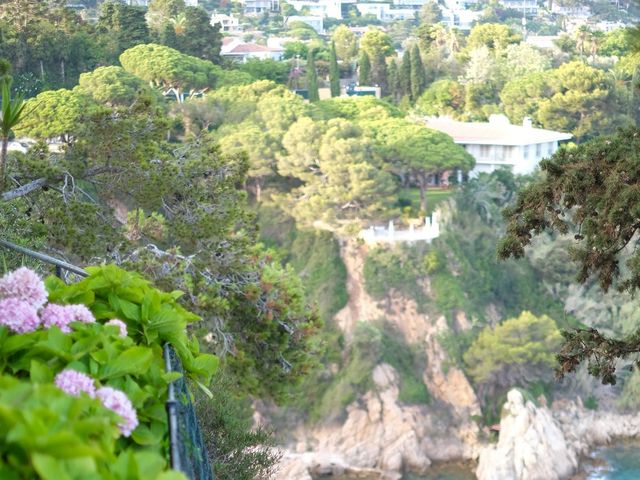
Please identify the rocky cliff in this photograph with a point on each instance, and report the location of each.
(379, 437)
(538, 443)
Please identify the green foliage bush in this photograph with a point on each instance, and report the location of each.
(237, 451)
(400, 268)
(590, 403)
(372, 345)
(53, 435)
(520, 351)
(152, 317)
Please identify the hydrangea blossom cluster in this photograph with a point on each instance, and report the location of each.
(74, 383)
(23, 294)
(118, 402)
(120, 324)
(18, 316)
(26, 285)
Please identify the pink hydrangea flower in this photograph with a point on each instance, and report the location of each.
(73, 383)
(57, 315)
(120, 324)
(24, 284)
(81, 313)
(18, 315)
(118, 402)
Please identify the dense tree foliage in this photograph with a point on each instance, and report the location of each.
(174, 72)
(587, 192)
(519, 352)
(419, 153)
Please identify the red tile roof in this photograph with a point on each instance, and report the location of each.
(249, 48)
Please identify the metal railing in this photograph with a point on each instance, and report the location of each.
(187, 451)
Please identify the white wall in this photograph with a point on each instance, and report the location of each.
(522, 159)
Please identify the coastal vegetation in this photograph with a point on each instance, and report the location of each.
(219, 209)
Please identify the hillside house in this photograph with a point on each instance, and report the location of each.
(236, 49)
(498, 143)
(228, 23)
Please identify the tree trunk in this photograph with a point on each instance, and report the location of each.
(422, 184)
(258, 190)
(62, 71)
(41, 70)
(3, 160)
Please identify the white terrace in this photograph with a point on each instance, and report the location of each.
(424, 233)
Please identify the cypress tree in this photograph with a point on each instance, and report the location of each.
(418, 76)
(312, 78)
(334, 72)
(379, 73)
(634, 104)
(404, 76)
(364, 69)
(394, 81)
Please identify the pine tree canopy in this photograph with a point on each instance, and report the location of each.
(591, 192)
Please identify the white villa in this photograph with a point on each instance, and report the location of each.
(228, 23)
(234, 48)
(498, 143)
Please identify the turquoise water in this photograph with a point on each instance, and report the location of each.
(619, 462)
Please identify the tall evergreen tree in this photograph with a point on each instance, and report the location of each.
(404, 76)
(364, 69)
(126, 24)
(334, 72)
(418, 76)
(634, 104)
(379, 72)
(393, 80)
(312, 77)
(198, 37)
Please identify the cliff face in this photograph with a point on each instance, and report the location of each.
(381, 436)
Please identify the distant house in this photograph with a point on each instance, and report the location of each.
(542, 41)
(498, 143)
(228, 23)
(387, 12)
(256, 7)
(528, 7)
(315, 22)
(325, 8)
(460, 18)
(235, 48)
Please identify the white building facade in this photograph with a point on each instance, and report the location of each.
(498, 144)
(228, 23)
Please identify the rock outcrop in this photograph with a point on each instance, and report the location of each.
(531, 446)
(380, 436)
(540, 444)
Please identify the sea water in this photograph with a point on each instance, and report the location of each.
(620, 461)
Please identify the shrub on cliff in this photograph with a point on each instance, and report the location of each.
(519, 351)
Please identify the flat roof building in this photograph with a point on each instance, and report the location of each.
(497, 143)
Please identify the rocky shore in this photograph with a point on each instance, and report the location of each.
(380, 439)
(538, 443)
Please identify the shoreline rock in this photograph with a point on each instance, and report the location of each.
(537, 443)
